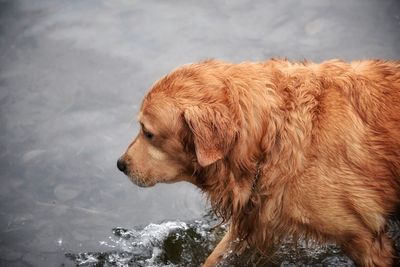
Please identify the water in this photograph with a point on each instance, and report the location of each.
(171, 243)
(165, 244)
(175, 243)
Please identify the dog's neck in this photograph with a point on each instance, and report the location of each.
(231, 191)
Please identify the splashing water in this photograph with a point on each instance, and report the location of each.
(189, 243)
(165, 244)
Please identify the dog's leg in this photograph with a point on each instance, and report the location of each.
(219, 251)
(369, 251)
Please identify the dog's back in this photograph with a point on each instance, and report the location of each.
(373, 88)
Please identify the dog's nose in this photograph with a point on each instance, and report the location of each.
(121, 164)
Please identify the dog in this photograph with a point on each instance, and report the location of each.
(281, 149)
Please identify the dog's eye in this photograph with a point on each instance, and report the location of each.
(148, 134)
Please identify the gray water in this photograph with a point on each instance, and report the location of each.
(72, 76)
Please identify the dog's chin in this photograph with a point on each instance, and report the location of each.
(141, 183)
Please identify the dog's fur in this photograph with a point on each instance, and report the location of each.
(281, 148)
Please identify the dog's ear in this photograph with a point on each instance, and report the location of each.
(213, 130)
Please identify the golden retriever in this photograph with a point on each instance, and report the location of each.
(280, 148)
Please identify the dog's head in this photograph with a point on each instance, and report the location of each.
(186, 123)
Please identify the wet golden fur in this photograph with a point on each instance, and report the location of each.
(323, 138)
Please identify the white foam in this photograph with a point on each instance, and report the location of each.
(156, 233)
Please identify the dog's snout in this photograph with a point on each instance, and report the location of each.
(121, 164)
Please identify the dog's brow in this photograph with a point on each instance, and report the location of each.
(139, 116)
(144, 126)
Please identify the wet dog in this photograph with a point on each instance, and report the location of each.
(280, 148)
